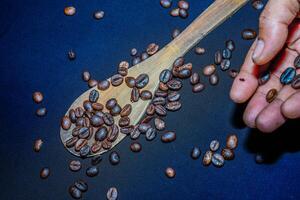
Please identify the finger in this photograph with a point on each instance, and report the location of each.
(273, 29)
(291, 107)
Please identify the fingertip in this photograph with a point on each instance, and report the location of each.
(291, 108)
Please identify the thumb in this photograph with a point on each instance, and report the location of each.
(273, 29)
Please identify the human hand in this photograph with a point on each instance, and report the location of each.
(277, 46)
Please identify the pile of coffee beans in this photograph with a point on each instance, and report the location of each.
(151, 49)
(78, 188)
(181, 10)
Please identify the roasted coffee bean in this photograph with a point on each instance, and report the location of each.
(150, 109)
(195, 153)
(113, 133)
(75, 165)
(225, 64)
(170, 172)
(143, 127)
(174, 84)
(183, 13)
(173, 96)
(99, 113)
(133, 51)
(71, 142)
(84, 151)
(108, 119)
(80, 143)
(92, 171)
(71, 55)
(188, 66)
(296, 82)
(152, 49)
(87, 105)
(135, 134)
(150, 134)
(41, 112)
(159, 93)
(141, 81)
(83, 132)
(185, 73)
(159, 101)
(195, 78)
(106, 144)
(124, 121)
(136, 60)
(130, 81)
(92, 83)
(97, 106)
(199, 50)
(112, 194)
(127, 129)
(135, 94)
(233, 73)
(101, 133)
(116, 80)
(249, 34)
(45, 173)
(226, 54)
(81, 185)
(230, 45)
(79, 112)
(37, 145)
(214, 79)
(72, 115)
(168, 137)
(114, 158)
(146, 119)
(96, 160)
(99, 14)
(80, 121)
(97, 121)
(175, 33)
(165, 76)
(174, 12)
(178, 62)
(271, 95)
(126, 110)
(163, 86)
(123, 68)
(166, 3)
(217, 160)
(183, 5)
(37, 97)
(144, 56)
(115, 110)
(160, 110)
(218, 57)
(146, 95)
(257, 4)
(86, 76)
(198, 87)
(159, 124)
(103, 85)
(264, 78)
(297, 62)
(75, 192)
(111, 103)
(214, 145)
(288, 76)
(173, 106)
(227, 154)
(207, 158)
(259, 158)
(70, 10)
(209, 70)
(135, 147)
(231, 142)
(96, 147)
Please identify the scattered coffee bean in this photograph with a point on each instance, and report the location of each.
(133, 51)
(75, 165)
(165, 76)
(135, 147)
(209, 70)
(257, 4)
(97, 106)
(217, 160)
(225, 64)
(70, 10)
(84, 151)
(288, 76)
(174, 84)
(226, 54)
(195, 153)
(92, 171)
(86, 76)
(198, 87)
(183, 13)
(37, 97)
(296, 82)
(144, 56)
(123, 68)
(227, 154)
(112, 102)
(41, 112)
(75, 192)
(207, 158)
(141, 81)
(116, 80)
(45, 173)
(124, 121)
(174, 12)
(214, 145)
(231, 142)
(135, 94)
(159, 101)
(135, 134)
(81, 185)
(175, 33)
(214, 79)
(92, 83)
(230, 45)
(108, 119)
(79, 112)
(126, 110)
(170, 172)
(233, 73)
(160, 110)
(136, 60)
(168, 137)
(143, 127)
(112, 194)
(103, 85)
(159, 93)
(97, 121)
(184, 73)
(297, 62)
(71, 55)
(159, 124)
(173, 96)
(173, 106)
(183, 5)
(150, 134)
(127, 129)
(38, 145)
(218, 57)
(152, 49)
(199, 50)
(195, 78)
(146, 95)
(130, 81)
(99, 14)
(96, 160)
(115, 110)
(114, 158)
(259, 158)
(178, 62)
(249, 34)
(162, 86)
(87, 105)
(83, 132)
(271, 95)
(150, 109)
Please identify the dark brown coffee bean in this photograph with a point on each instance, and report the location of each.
(37, 97)
(174, 12)
(150, 109)
(217, 160)
(123, 68)
(159, 101)
(92, 171)
(37, 145)
(141, 81)
(112, 194)
(209, 70)
(150, 134)
(87, 105)
(214, 145)
(163, 86)
(84, 151)
(136, 60)
(99, 14)
(233, 73)
(80, 121)
(75, 192)
(75, 165)
(115, 110)
(143, 127)
(168, 137)
(106, 144)
(249, 34)
(230, 45)
(75, 131)
(135, 134)
(103, 85)
(288, 76)
(226, 54)
(97, 106)
(72, 115)
(124, 121)
(81, 185)
(45, 173)
(188, 66)
(183, 13)
(199, 87)
(195, 78)
(114, 158)
(126, 110)
(173, 106)
(71, 55)
(225, 64)
(92, 83)
(130, 81)
(227, 154)
(111, 103)
(296, 82)
(83, 132)
(199, 50)
(101, 134)
(96, 160)
(264, 78)
(183, 74)
(97, 121)
(173, 96)
(41, 112)
(178, 62)
(174, 84)
(133, 51)
(231, 142)
(257, 4)
(207, 158)
(116, 80)
(159, 124)
(195, 153)
(146, 119)
(170, 172)
(108, 119)
(127, 129)
(159, 93)
(71, 142)
(80, 143)
(152, 49)
(146, 95)
(165, 76)
(96, 147)
(183, 5)
(166, 3)
(86, 76)
(218, 57)
(271, 95)
(144, 56)
(79, 112)
(99, 113)
(214, 79)
(113, 133)
(135, 94)
(175, 33)
(160, 110)
(135, 147)
(297, 62)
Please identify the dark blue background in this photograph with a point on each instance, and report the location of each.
(34, 38)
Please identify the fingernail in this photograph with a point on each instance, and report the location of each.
(258, 49)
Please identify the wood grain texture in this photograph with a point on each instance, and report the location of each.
(213, 16)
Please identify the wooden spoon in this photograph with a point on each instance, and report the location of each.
(212, 17)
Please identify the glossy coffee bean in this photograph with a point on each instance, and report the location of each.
(92, 171)
(217, 160)
(103, 85)
(199, 87)
(233, 73)
(195, 78)
(86, 76)
(165, 76)
(113, 133)
(71, 55)
(83, 132)
(80, 143)
(199, 50)
(249, 34)
(127, 129)
(159, 93)
(94, 96)
(72, 115)
(133, 51)
(92, 83)
(112, 194)
(114, 158)
(150, 109)
(101, 134)
(160, 110)
(218, 57)
(97, 121)
(69, 11)
(146, 120)
(173, 96)
(96, 147)
(99, 14)
(264, 78)
(41, 112)
(174, 12)
(183, 13)
(124, 121)
(173, 106)
(143, 127)
(112, 102)
(150, 134)
(230, 45)
(195, 153)
(159, 124)
(115, 110)
(123, 68)
(126, 110)
(209, 70)
(87, 105)
(144, 56)
(168, 137)
(135, 95)
(106, 144)
(183, 5)
(135, 134)
(96, 160)
(184, 73)
(79, 112)
(45, 173)
(135, 147)
(214, 145)
(257, 4)
(75, 165)
(130, 81)
(227, 154)
(71, 142)
(108, 119)
(297, 62)
(37, 97)
(146, 95)
(136, 60)
(225, 64)
(166, 3)
(81, 185)
(207, 158)
(75, 192)
(214, 79)
(162, 86)
(38, 145)
(141, 81)
(226, 54)
(271, 95)
(80, 121)
(170, 172)
(231, 142)
(296, 82)
(287, 76)
(159, 101)
(178, 62)
(97, 106)
(116, 80)
(175, 33)
(84, 151)
(174, 84)
(152, 49)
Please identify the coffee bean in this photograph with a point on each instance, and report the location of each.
(209, 70)
(146, 120)
(199, 50)
(173, 96)
(123, 68)
(230, 45)
(83, 132)
(174, 12)
(45, 173)
(170, 172)
(75, 165)
(126, 110)
(81, 185)
(135, 147)
(257, 4)
(99, 113)
(38, 145)
(116, 80)
(144, 56)
(127, 129)
(159, 101)
(183, 5)
(80, 121)
(86, 76)
(226, 54)
(195, 153)
(41, 112)
(168, 137)
(135, 94)
(141, 81)
(178, 62)
(71, 142)
(146, 95)
(259, 158)
(130, 81)
(75, 192)
(233, 73)
(135, 134)
(207, 158)
(84, 151)
(214, 145)
(103, 85)
(271, 95)
(287, 76)
(71, 55)
(159, 93)
(143, 127)
(165, 76)
(249, 34)
(150, 109)
(96, 147)
(97, 106)
(297, 62)
(175, 33)
(173, 106)
(160, 110)
(152, 49)
(225, 64)
(163, 86)
(96, 160)
(174, 84)
(183, 13)
(133, 51)
(195, 78)
(99, 14)
(37, 97)
(115, 110)
(114, 158)
(227, 154)
(80, 143)
(198, 87)
(218, 57)
(112, 194)
(92, 83)
(87, 105)
(70, 10)
(72, 115)
(79, 112)
(183, 74)
(217, 160)
(159, 124)
(106, 144)
(92, 171)
(136, 61)
(113, 133)
(112, 102)
(150, 134)
(296, 82)
(101, 133)
(108, 119)
(97, 121)
(231, 142)
(124, 121)
(214, 79)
